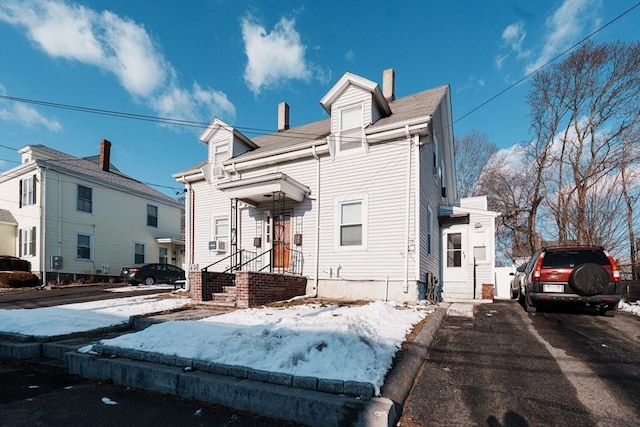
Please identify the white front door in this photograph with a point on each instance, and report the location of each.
(455, 255)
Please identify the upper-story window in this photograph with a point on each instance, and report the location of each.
(220, 154)
(152, 216)
(28, 191)
(350, 127)
(85, 199)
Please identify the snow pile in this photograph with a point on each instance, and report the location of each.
(86, 316)
(332, 342)
(633, 308)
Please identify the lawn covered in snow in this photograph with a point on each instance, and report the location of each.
(328, 341)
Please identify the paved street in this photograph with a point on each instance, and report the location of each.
(509, 368)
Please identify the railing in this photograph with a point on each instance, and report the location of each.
(250, 261)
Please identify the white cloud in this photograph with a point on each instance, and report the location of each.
(25, 115)
(564, 27)
(350, 55)
(114, 44)
(273, 57)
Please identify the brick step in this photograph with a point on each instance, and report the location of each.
(229, 289)
(224, 297)
(223, 304)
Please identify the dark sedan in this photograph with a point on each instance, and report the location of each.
(149, 274)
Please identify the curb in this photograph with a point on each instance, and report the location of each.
(400, 381)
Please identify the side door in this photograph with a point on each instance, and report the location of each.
(455, 255)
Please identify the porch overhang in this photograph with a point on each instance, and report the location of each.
(262, 188)
(170, 240)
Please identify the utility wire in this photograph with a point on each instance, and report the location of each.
(288, 134)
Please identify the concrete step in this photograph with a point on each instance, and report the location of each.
(229, 289)
(224, 297)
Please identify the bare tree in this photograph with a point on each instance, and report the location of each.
(581, 109)
(472, 152)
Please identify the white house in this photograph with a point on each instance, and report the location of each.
(358, 203)
(77, 218)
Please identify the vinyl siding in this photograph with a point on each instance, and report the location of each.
(118, 220)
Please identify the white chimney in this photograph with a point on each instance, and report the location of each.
(283, 116)
(388, 84)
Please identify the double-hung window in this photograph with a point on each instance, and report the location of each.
(220, 154)
(85, 199)
(152, 216)
(350, 127)
(27, 242)
(351, 223)
(138, 253)
(83, 246)
(28, 191)
(220, 231)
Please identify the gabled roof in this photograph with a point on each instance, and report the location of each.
(417, 105)
(349, 79)
(85, 168)
(7, 217)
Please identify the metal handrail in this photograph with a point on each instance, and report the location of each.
(232, 267)
(295, 262)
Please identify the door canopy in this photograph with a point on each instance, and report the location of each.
(259, 189)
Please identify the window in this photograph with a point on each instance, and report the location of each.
(85, 199)
(480, 245)
(27, 242)
(351, 224)
(220, 154)
(138, 253)
(351, 127)
(220, 230)
(28, 191)
(164, 257)
(83, 245)
(152, 216)
(454, 250)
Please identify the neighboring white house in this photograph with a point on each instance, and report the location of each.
(75, 218)
(353, 202)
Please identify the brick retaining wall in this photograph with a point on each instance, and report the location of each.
(256, 289)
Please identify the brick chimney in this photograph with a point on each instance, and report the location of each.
(105, 155)
(388, 84)
(283, 116)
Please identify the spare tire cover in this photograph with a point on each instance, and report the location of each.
(588, 279)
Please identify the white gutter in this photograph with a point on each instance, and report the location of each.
(405, 286)
(317, 272)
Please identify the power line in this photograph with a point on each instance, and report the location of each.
(289, 134)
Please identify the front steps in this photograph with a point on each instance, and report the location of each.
(225, 299)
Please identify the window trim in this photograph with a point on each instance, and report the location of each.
(350, 132)
(222, 237)
(150, 217)
(144, 253)
(339, 201)
(84, 199)
(27, 242)
(90, 236)
(27, 191)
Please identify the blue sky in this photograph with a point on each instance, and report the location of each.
(237, 60)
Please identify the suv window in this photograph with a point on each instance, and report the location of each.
(569, 259)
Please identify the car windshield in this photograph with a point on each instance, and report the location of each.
(571, 258)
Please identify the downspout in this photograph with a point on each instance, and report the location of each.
(317, 272)
(43, 225)
(405, 286)
(188, 235)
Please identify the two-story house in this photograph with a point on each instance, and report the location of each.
(82, 219)
(357, 203)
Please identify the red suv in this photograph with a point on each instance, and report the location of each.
(580, 274)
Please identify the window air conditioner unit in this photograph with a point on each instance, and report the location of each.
(218, 171)
(218, 245)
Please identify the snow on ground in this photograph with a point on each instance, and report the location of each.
(327, 341)
(86, 316)
(633, 308)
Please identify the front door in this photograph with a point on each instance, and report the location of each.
(281, 242)
(455, 256)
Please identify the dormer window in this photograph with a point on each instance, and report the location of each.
(350, 127)
(220, 154)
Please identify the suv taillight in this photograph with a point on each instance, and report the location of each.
(538, 267)
(614, 267)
